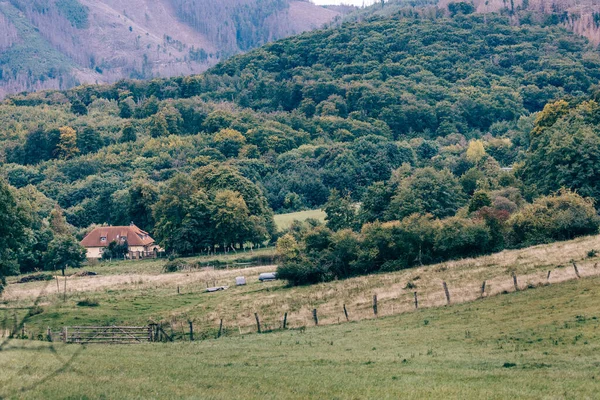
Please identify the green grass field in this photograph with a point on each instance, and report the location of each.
(133, 293)
(284, 221)
(541, 343)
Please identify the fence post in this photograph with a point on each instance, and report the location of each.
(482, 288)
(548, 277)
(416, 301)
(49, 334)
(177, 289)
(220, 328)
(515, 282)
(15, 328)
(315, 317)
(284, 320)
(375, 304)
(447, 292)
(346, 313)
(576, 270)
(191, 326)
(257, 322)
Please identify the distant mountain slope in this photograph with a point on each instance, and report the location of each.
(579, 16)
(338, 108)
(59, 43)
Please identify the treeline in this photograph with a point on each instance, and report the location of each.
(313, 253)
(423, 216)
(34, 234)
(212, 207)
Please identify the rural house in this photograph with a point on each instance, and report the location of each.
(141, 245)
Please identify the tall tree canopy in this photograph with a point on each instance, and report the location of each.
(13, 223)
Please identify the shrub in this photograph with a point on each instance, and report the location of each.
(459, 237)
(302, 272)
(174, 266)
(88, 303)
(559, 217)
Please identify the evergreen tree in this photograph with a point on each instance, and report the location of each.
(126, 108)
(128, 134)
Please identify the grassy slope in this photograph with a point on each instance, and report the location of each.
(284, 221)
(135, 297)
(541, 343)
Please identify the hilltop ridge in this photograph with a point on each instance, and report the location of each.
(56, 44)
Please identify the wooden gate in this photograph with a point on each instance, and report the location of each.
(114, 334)
(106, 334)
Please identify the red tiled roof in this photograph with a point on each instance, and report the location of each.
(134, 236)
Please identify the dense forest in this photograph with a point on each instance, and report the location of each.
(425, 136)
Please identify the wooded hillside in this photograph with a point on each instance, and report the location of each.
(60, 43)
(416, 114)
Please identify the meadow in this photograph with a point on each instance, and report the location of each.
(135, 293)
(541, 343)
(284, 221)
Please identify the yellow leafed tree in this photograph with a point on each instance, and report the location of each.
(476, 151)
(67, 146)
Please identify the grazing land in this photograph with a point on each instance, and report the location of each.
(125, 294)
(533, 344)
(284, 221)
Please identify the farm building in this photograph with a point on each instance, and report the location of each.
(141, 245)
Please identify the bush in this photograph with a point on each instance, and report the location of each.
(88, 303)
(459, 237)
(174, 266)
(302, 272)
(35, 278)
(559, 217)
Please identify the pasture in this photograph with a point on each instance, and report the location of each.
(534, 344)
(284, 221)
(127, 294)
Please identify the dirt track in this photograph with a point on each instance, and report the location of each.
(128, 281)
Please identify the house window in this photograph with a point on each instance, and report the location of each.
(103, 239)
(101, 250)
